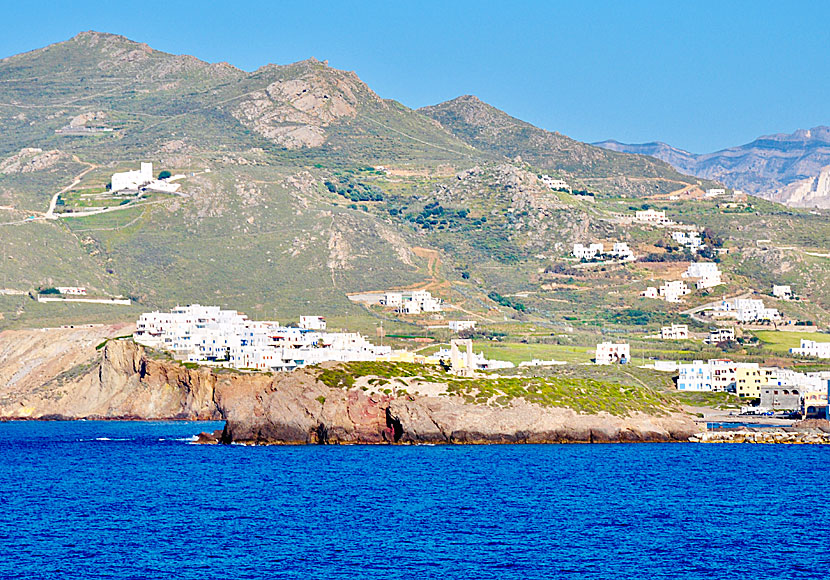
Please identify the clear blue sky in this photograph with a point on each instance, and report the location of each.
(699, 75)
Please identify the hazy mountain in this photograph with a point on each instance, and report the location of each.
(777, 167)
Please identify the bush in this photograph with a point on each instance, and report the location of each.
(165, 175)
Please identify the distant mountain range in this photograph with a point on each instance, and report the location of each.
(789, 168)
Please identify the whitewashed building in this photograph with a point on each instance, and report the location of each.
(590, 252)
(555, 184)
(674, 290)
(313, 322)
(675, 332)
(459, 325)
(71, 290)
(132, 179)
(717, 335)
(621, 251)
(812, 348)
(707, 274)
(694, 376)
(715, 192)
(612, 353)
(652, 216)
(782, 291)
(412, 302)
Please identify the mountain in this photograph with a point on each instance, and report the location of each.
(301, 187)
(782, 167)
(489, 129)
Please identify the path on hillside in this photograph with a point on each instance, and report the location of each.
(50, 213)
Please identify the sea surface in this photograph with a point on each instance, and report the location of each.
(137, 500)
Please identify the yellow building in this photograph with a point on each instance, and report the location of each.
(749, 378)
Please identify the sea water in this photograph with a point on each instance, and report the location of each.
(137, 500)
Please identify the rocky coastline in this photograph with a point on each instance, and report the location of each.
(299, 408)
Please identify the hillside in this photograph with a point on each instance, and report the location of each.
(299, 186)
(489, 129)
(782, 167)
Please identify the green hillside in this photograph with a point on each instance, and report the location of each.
(300, 186)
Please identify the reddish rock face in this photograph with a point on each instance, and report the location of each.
(296, 408)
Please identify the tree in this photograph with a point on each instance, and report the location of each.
(165, 174)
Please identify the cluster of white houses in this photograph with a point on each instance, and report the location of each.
(619, 251)
(208, 334)
(227, 338)
(707, 274)
(746, 310)
(690, 240)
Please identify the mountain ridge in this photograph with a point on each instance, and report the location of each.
(774, 166)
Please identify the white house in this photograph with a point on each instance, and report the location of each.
(782, 291)
(132, 179)
(612, 353)
(412, 302)
(707, 273)
(621, 251)
(674, 332)
(590, 252)
(717, 335)
(715, 192)
(694, 376)
(812, 348)
(672, 291)
(554, 183)
(650, 292)
(459, 325)
(313, 322)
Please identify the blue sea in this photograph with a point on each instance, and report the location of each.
(136, 500)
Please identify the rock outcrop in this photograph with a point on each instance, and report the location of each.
(298, 408)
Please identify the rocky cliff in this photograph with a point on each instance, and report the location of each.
(299, 407)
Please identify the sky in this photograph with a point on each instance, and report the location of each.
(698, 75)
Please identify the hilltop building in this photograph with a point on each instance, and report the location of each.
(612, 353)
(555, 184)
(132, 179)
(71, 290)
(715, 192)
